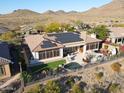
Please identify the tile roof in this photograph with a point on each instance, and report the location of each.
(56, 40)
(38, 43)
(116, 31)
(89, 39)
(4, 61)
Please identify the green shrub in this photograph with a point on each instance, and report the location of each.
(113, 88)
(116, 67)
(77, 89)
(99, 75)
(34, 89)
(70, 82)
(52, 87)
(26, 77)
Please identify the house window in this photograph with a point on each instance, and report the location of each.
(119, 40)
(87, 48)
(56, 53)
(42, 55)
(1, 70)
(49, 54)
(123, 40)
(92, 46)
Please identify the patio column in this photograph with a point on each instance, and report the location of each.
(113, 40)
(98, 45)
(61, 52)
(84, 48)
(35, 55)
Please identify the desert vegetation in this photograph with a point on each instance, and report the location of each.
(10, 37)
(101, 31)
(116, 67)
(98, 79)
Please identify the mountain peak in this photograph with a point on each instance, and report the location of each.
(112, 9)
(23, 12)
(60, 11)
(19, 10)
(49, 12)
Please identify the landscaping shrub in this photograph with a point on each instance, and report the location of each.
(70, 82)
(52, 87)
(99, 75)
(113, 88)
(34, 89)
(77, 89)
(116, 67)
(26, 77)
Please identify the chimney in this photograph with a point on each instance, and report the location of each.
(83, 35)
(93, 35)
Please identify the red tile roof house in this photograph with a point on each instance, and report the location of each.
(53, 46)
(4, 61)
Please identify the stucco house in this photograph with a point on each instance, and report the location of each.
(5, 61)
(117, 35)
(54, 46)
(115, 40)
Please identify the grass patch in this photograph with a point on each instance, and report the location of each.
(51, 65)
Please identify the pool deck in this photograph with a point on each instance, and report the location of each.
(77, 57)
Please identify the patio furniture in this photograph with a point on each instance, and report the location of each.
(85, 60)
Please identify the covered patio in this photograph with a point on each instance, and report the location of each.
(85, 58)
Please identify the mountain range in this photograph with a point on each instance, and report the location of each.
(111, 11)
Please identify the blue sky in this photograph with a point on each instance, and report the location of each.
(7, 6)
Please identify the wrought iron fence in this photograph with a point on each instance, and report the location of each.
(58, 75)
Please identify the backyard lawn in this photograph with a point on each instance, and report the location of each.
(51, 65)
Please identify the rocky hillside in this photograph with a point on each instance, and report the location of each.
(112, 10)
(21, 13)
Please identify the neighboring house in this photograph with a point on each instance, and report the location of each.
(4, 61)
(54, 46)
(115, 40)
(117, 35)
